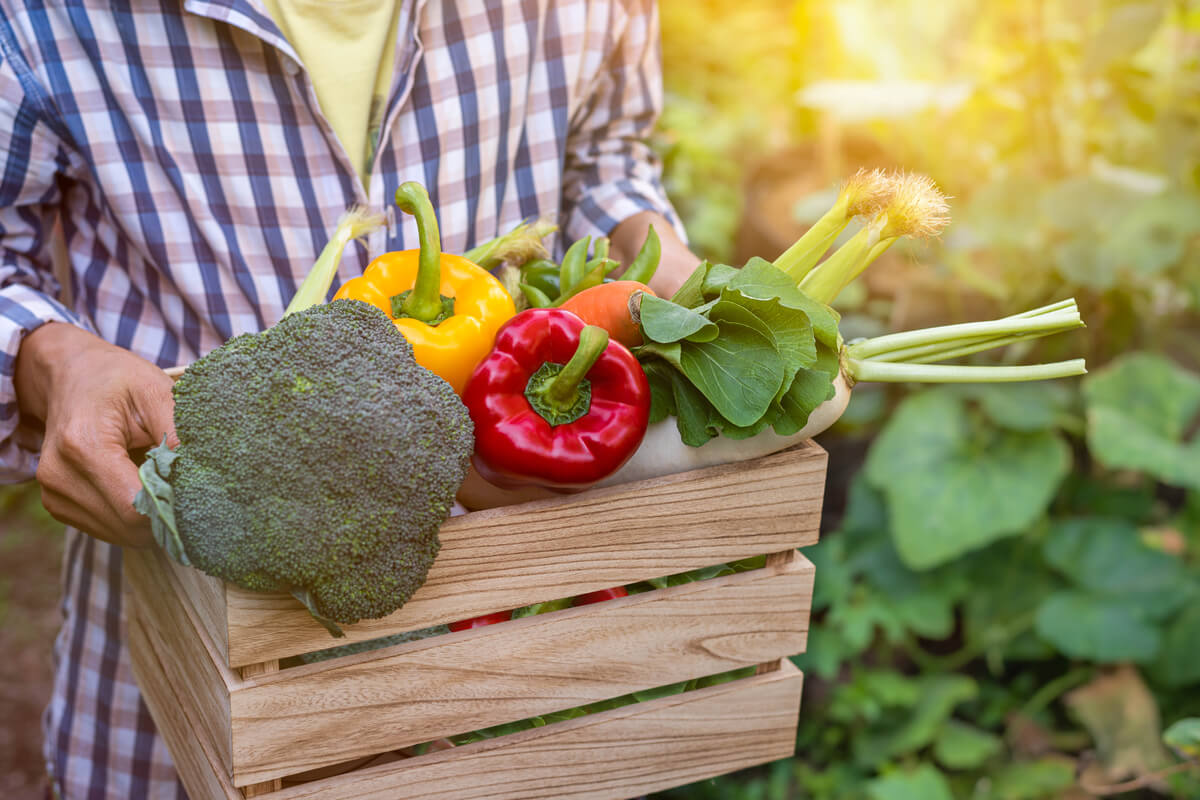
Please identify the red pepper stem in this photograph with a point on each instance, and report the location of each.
(424, 302)
(562, 391)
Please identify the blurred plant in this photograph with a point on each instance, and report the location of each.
(1009, 608)
(1029, 622)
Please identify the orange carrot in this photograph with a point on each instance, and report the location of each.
(608, 305)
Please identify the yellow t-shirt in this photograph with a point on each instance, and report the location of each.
(348, 48)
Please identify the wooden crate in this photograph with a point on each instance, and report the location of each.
(207, 654)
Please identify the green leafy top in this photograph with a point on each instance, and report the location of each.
(738, 350)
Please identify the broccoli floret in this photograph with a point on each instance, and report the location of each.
(316, 458)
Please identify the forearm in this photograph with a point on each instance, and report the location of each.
(677, 261)
(43, 353)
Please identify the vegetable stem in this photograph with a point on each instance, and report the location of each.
(563, 389)
(355, 223)
(899, 345)
(826, 282)
(888, 372)
(561, 393)
(799, 259)
(862, 195)
(424, 302)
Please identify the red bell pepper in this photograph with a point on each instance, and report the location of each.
(555, 404)
(600, 596)
(479, 622)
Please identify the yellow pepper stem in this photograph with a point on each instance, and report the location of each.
(425, 301)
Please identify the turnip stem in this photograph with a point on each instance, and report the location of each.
(1069, 303)
(970, 332)
(946, 352)
(966, 349)
(885, 372)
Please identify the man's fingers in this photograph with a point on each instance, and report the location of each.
(91, 463)
(71, 498)
(152, 414)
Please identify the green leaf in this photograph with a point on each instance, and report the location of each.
(695, 417)
(939, 696)
(717, 278)
(1184, 736)
(953, 485)
(542, 608)
(1139, 408)
(1179, 662)
(808, 389)
(662, 399)
(1107, 557)
(1009, 581)
(790, 332)
(691, 293)
(922, 783)
(762, 280)
(666, 322)
(962, 746)
(1096, 628)
(1155, 234)
(739, 372)
(156, 500)
(1035, 780)
(1081, 260)
(1024, 407)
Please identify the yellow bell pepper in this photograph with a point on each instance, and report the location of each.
(448, 308)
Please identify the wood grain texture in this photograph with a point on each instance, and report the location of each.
(511, 557)
(613, 755)
(206, 596)
(263, 789)
(200, 769)
(253, 671)
(199, 679)
(299, 719)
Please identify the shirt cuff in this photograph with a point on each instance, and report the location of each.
(22, 311)
(603, 206)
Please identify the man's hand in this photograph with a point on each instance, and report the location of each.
(677, 262)
(98, 402)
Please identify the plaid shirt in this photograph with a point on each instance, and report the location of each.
(182, 147)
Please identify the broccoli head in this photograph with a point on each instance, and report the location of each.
(316, 458)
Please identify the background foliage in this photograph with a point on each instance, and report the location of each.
(1008, 590)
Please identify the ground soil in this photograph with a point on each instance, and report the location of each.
(30, 554)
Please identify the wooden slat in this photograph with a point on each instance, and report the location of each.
(614, 755)
(200, 680)
(206, 596)
(253, 671)
(510, 557)
(201, 770)
(298, 719)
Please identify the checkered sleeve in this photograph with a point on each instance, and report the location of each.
(31, 157)
(611, 171)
